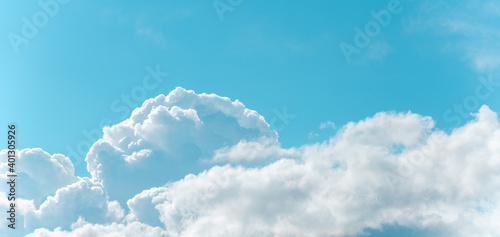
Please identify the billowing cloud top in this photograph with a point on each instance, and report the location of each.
(167, 138)
(153, 175)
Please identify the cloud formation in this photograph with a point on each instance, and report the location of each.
(389, 169)
(82, 228)
(169, 137)
(385, 170)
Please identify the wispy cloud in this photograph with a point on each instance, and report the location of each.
(156, 36)
(327, 124)
(470, 26)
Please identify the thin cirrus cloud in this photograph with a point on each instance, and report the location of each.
(477, 36)
(389, 169)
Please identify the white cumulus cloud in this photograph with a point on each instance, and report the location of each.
(169, 137)
(393, 168)
(389, 169)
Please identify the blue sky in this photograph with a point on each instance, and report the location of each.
(270, 55)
